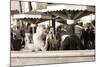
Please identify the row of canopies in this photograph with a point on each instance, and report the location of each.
(60, 12)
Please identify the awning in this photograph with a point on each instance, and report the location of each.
(69, 11)
(31, 15)
(59, 7)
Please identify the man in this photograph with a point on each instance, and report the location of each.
(78, 30)
(17, 39)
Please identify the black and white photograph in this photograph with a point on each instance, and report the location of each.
(51, 33)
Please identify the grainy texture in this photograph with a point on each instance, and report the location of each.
(49, 57)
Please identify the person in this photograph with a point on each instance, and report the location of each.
(51, 41)
(22, 33)
(11, 39)
(17, 39)
(70, 41)
(89, 37)
(39, 39)
(78, 30)
(29, 31)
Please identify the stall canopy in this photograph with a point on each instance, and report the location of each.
(34, 16)
(61, 12)
(69, 11)
(57, 7)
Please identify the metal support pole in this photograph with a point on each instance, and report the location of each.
(30, 6)
(20, 7)
(53, 23)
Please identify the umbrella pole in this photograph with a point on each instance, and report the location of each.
(53, 24)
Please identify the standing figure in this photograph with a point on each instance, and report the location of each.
(70, 41)
(51, 40)
(28, 45)
(39, 39)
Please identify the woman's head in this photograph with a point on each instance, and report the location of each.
(40, 29)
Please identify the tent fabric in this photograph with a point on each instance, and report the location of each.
(60, 7)
(19, 16)
(32, 14)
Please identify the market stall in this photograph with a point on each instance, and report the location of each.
(66, 14)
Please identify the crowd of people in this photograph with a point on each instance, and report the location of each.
(66, 37)
(79, 36)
